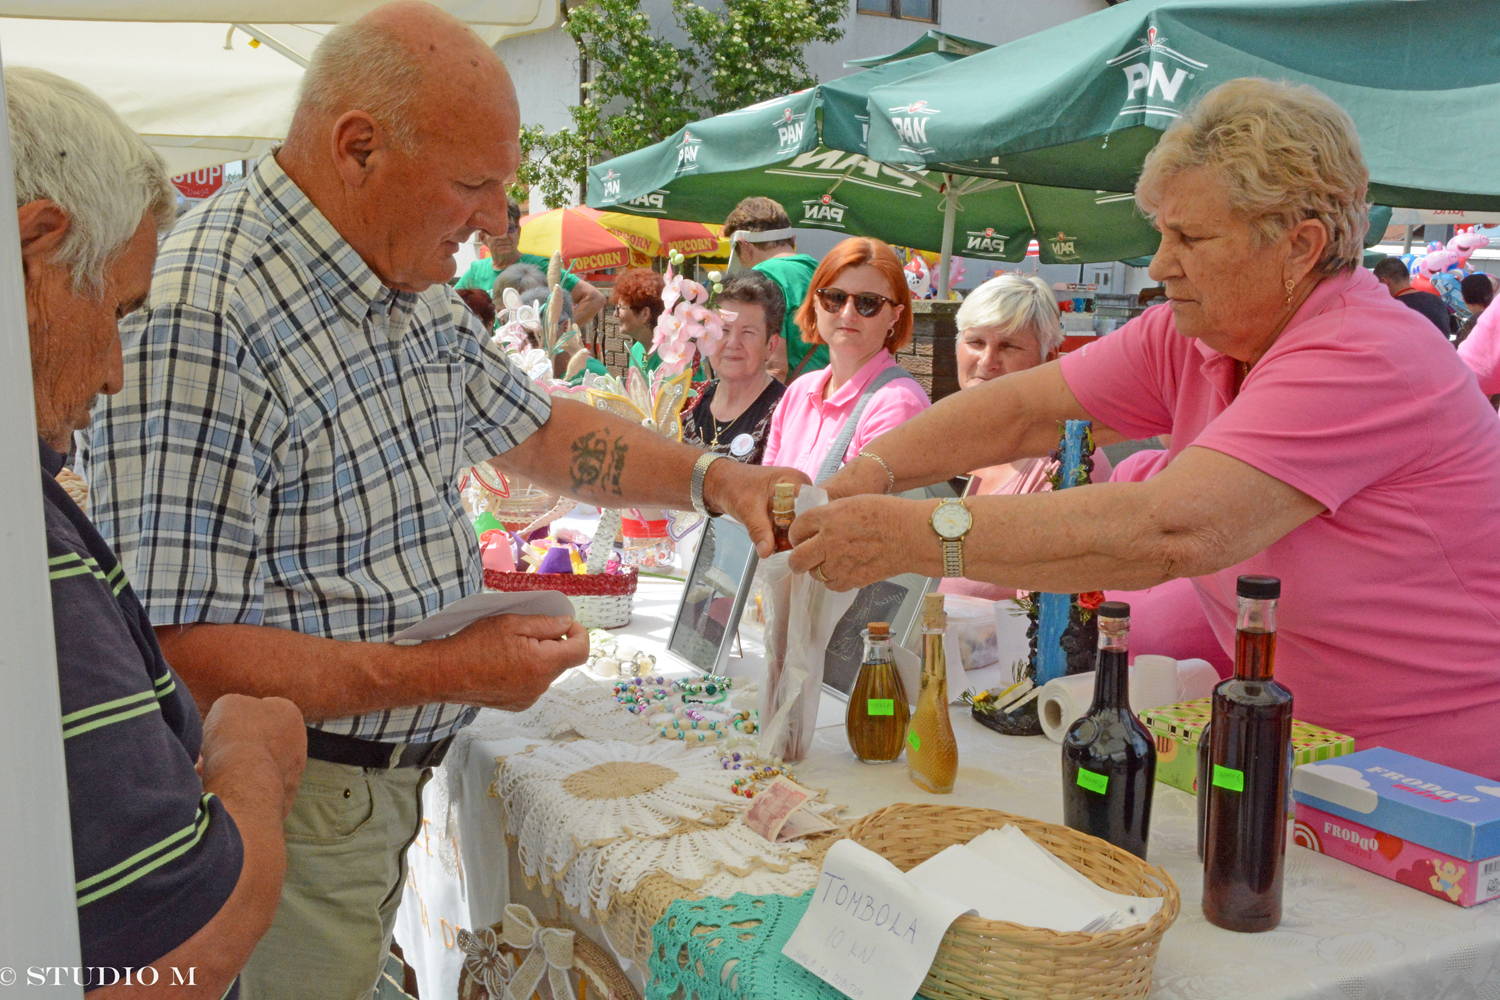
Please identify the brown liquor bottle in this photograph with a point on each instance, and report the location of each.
(878, 710)
(1247, 776)
(783, 512)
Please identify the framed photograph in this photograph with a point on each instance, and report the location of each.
(713, 598)
(897, 601)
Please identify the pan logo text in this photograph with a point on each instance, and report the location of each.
(824, 210)
(987, 241)
(910, 122)
(1154, 75)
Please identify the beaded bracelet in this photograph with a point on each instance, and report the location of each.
(709, 685)
(701, 735)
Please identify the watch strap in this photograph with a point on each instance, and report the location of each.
(953, 557)
(695, 484)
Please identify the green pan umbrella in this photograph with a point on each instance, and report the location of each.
(1080, 104)
(806, 151)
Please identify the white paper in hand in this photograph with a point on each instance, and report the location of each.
(869, 932)
(462, 613)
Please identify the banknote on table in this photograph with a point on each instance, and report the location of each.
(777, 813)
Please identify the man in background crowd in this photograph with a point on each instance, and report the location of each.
(1396, 278)
(174, 870)
(1478, 291)
(763, 239)
(587, 300)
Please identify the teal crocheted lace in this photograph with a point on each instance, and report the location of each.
(730, 949)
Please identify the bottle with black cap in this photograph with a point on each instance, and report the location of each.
(1109, 759)
(1246, 777)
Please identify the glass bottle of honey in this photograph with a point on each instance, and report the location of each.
(878, 711)
(931, 751)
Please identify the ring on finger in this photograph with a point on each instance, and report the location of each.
(818, 572)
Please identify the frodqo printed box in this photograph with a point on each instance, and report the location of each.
(1399, 816)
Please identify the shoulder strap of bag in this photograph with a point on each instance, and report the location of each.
(834, 460)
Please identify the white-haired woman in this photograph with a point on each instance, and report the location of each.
(1006, 325)
(1319, 434)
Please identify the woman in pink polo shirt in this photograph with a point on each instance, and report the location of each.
(860, 306)
(1319, 433)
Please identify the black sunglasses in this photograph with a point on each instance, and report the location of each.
(867, 304)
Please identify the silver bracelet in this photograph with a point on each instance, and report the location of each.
(891, 476)
(695, 485)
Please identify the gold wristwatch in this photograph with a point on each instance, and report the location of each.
(952, 521)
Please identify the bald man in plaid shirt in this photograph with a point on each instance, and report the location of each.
(303, 392)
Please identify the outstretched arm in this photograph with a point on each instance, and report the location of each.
(1202, 513)
(1014, 416)
(606, 460)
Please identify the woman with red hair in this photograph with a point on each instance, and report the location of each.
(638, 305)
(860, 306)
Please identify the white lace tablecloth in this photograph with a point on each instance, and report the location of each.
(1345, 934)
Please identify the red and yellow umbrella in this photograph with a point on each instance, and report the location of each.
(659, 237)
(577, 234)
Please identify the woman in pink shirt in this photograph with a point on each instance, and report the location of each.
(1319, 434)
(860, 306)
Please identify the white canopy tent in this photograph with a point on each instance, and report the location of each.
(165, 66)
(216, 88)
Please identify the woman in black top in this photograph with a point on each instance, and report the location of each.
(733, 413)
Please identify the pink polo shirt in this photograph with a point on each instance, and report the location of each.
(805, 424)
(1481, 350)
(1389, 619)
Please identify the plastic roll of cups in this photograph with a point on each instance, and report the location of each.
(1154, 681)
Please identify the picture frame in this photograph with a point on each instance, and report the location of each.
(897, 600)
(713, 596)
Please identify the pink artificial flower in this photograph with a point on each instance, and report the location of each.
(668, 328)
(671, 290)
(692, 291)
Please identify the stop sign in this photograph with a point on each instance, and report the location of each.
(199, 183)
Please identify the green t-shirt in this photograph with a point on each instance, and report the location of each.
(647, 363)
(794, 274)
(481, 274)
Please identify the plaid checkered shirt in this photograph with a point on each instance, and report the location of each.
(287, 447)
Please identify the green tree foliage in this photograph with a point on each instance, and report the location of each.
(644, 87)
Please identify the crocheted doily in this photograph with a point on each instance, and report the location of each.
(729, 854)
(730, 949)
(561, 798)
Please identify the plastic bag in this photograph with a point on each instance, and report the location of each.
(801, 615)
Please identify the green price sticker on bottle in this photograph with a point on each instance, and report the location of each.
(913, 740)
(1229, 778)
(1093, 781)
(881, 706)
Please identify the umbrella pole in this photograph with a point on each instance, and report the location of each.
(1406, 243)
(950, 216)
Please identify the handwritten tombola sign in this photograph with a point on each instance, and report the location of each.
(868, 931)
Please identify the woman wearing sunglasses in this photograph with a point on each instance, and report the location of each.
(860, 306)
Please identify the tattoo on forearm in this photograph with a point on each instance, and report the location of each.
(598, 462)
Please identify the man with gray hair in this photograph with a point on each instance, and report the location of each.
(173, 870)
(282, 483)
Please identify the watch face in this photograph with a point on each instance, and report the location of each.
(951, 520)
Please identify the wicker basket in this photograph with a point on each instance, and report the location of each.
(600, 600)
(990, 959)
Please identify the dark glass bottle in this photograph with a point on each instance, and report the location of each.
(1109, 759)
(1247, 777)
